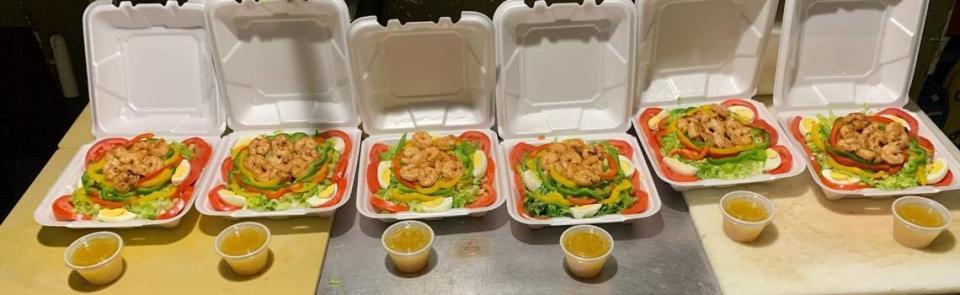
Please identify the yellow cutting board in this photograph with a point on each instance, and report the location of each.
(158, 261)
(816, 245)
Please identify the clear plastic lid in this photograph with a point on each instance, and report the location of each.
(149, 70)
(701, 50)
(838, 53)
(565, 68)
(283, 64)
(424, 75)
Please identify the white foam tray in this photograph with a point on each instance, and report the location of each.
(214, 177)
(798, 165)
(364, 194)
(69, 180)
(638, 163)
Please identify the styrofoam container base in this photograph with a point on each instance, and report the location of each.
(69, 181)
(638, 163)
(213, 177)
(762, 113)
(940, 151)
(364, 194)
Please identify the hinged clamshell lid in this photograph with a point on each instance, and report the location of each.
(565, 68)
(424, 75)
(283, 64)
(847, 54)
(701, 50)
(149, 70)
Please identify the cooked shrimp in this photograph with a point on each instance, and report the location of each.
(893, 154)
(422, 139)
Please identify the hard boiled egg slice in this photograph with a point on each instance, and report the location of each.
(585, 211)
(338, 143)
(231, 198)
(680, 167)
(438, 205)
(531, 181)
(181, 173)
(807, 124)
(838, 177)
(115, 215)
(654, 122)
(898, 120)
(744, 114)
(773, 160)
(323, 196)
(479, 163)
(937, 170)
(626, 166)
(384, 173)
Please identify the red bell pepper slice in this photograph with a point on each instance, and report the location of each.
(739, 102)
(137, 138)
(579, 201)
(341, 166)
(63, 210)
(101, 148)
(225, 169)
(214, 198)
(786, 160)
(613, 166)
(622, 147)
(95, 198)
(774, 137)
(689, 154)
(911, 121)
(476, 136)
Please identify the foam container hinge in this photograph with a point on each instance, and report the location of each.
(149, 70)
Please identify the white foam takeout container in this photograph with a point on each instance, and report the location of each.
(149, 71)
(842, 57)
(281, 66)
(718, 58)
(566, 72)
(423, 76)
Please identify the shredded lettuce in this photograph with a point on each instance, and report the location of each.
(670, 142)
(150, 210)
(732, 170)
(907, 176)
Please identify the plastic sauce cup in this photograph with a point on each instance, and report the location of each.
(250, 263)
(581, 266)
(741, 230)
(916, 236)
(408, 262)
(101, 273)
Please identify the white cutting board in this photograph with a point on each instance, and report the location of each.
(821, 246)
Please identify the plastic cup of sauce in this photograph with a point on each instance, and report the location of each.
(96, 257)
(586, 249)
(244, 246)
(918, 221)
(745, 214)
(408, 245)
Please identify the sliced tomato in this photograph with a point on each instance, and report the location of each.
(491, 195)
(376, 150)
(341, 167)
(214, 198)
(739, 102)
(786, 160)
(385, 205)
(689, 154)
(622, 147)
(176, 209)
(63, 210)
(581, 201)
(947, 180)
(341, 189)
(838, 186)
(516, 155)
(795, 130)
(643, 200)
(95, 198)
(201, 154)
(225, 169)
(478, 137)
(911, 121)
(102, 147)
(373, 178)
(643, 120)
(673, 175)
(774, 137)
(926, 144)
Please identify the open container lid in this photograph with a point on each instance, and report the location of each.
(424, 75)
(149, 70)
(847, 54)
(701, 50)
(565, 68)
(283, 64)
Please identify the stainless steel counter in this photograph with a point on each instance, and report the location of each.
(494, 255)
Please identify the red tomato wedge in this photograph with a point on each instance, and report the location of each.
(201, 154)
(478, 137)
(341, 189)
(225, 169)
(385, 205)
(178, 205)
(491, 195)
(214, 198)
(338, 171)
(645, 128)
(516, 155)
(947, 180)
(786, 160)
(643, 199)
(911, 121)
(63, 210)
(739, 102)
(926, 144)
(622, 147)
(673, 175)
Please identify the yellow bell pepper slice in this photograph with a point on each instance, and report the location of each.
(158, 179)
(174, 159)
(93, 171)
(615, 193)
(561, 179)
(442, 184)
(922, 174)
(854, 170)
(410, 197)
(552, 198)
(815, 138)
(236, 189)
(157, 195)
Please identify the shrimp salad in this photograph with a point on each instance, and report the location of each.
(281, 171)
(714, 141)
(860, 150)
(140, 178)
(427, 173)
(576, 178)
